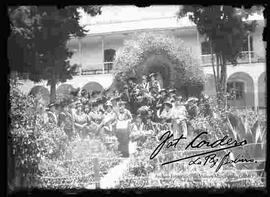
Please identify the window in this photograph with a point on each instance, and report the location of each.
(206, 46)
(236, 90)
(245, 44)
(109, 55)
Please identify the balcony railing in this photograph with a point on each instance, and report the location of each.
(246, 57)
(100, 68)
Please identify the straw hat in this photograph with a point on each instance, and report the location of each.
(163, 90)
(153, 74)
(168, 103)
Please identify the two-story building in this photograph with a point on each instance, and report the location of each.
(96, 51)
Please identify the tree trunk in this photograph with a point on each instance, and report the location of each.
(223, 77)
(213, 64)
(53, 90)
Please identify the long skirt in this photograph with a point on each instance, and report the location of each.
(179, 129)
(123, 139)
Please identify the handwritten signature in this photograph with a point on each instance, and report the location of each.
(210, 157)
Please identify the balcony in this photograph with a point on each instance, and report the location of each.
(246, 57)
(97, 68)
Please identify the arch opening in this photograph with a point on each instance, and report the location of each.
(242, 86)
(93, 86)
(262, 90)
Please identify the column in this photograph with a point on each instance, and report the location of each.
(256, 92)
(102, 53)
(198, 42)
(249, 50)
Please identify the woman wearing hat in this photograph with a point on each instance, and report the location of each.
(114, 101)
(80, 121)
(137, 134)
(166, 115)
(95, 114)
(154, 83)
(66, 120)
(125, 96)
(161, 99)
(145, 83)
(109, 118)
(123, 118)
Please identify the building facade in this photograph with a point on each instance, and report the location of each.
(96, 51)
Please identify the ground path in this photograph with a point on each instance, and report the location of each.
(112, 178)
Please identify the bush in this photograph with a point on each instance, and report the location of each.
(76, 169)
(31, 139)
(150, 173)
(131, 61)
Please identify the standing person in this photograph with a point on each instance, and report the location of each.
(137, 133)
(179, 117)
(86, 109)
(123, 118)
(160, 100)
(66, 120)
(145, 83)
(114, 101)
(171, 94)
(192, 107)
(41, 112)
(166, 115)
(109, 118)
(52, 115)
(154, 83)
(125, 96)
(84, 97)
(80, 121)
(131, 84)
(95, 114)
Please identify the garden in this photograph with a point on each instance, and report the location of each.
(42, 155)
(146, 173)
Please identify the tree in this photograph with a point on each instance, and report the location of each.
(225, 29)
(38, 38)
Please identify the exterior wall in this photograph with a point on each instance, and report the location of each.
(105, 80)
(191, 41)
(91, 48)
(253, 70)
(262, 90)
(89, 54)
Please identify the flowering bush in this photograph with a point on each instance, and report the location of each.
(130, 60)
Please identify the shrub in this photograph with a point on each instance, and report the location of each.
(131, 61)
(31, 139)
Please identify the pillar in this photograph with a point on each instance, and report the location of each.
(249, 49)
(102, 53)
(256, 92)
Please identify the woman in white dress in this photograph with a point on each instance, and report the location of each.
(80, 121)
(123, 118)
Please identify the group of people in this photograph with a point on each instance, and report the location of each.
(135, 110)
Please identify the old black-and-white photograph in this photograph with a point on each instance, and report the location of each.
(120, 96)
